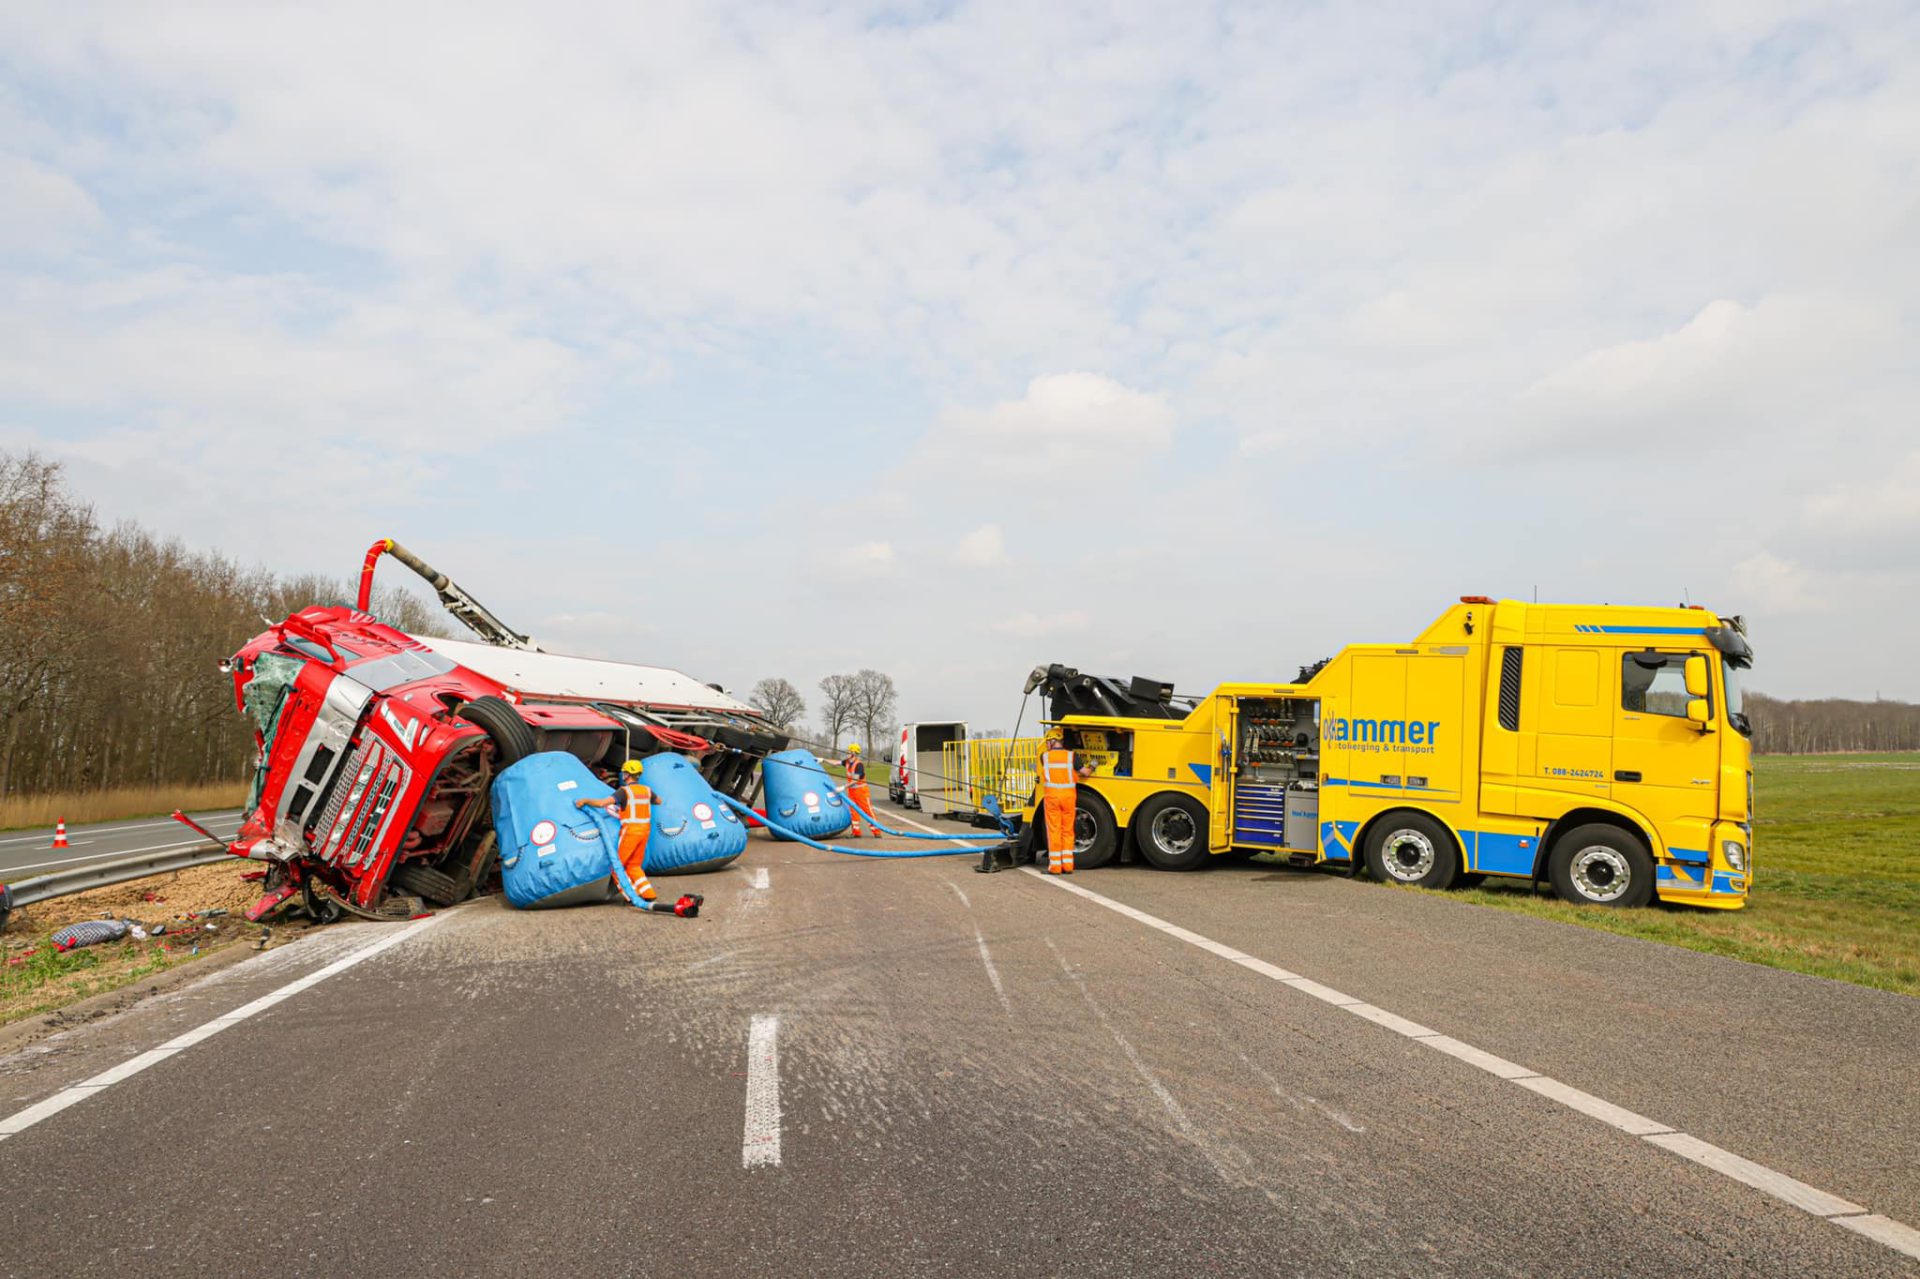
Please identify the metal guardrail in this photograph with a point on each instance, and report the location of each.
(102, 873)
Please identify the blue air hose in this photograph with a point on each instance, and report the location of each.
(745, 811)
(884, 830)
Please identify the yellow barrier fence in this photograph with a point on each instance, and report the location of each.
(1004, 767)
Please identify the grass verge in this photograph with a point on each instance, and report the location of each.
(35, 978)
(31, 812)
(1837, 880)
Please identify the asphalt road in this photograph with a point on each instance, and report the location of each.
(26, 853)
(853, 1067)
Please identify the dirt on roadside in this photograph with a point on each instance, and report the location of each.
(199, 912)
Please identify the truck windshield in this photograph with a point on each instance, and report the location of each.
(1736, 699)
(264, 695)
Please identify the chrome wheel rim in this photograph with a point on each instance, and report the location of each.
(1083, 830)
(1601, 874)
(1172, 831)
(1408, 855)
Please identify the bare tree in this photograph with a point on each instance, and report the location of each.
(874, 700)
(108, 640)
(780, 702)
(839, 710)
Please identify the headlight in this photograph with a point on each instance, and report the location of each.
(1735, 854)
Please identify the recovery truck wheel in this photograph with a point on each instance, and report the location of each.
(1601, 865)
(1096, 838)
(1172, 832)
(512, 737)
(1412, 849)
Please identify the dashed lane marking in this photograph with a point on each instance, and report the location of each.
(1829, 1207)
(760, 1138)
(21, 1120)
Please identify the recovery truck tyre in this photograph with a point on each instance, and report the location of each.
(1096, 837)
(1412, 849)
(1601, 865)
(512, 737)
(1171, 831)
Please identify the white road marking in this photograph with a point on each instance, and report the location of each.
(1162, 1094)
(760, 1139)
(922, 825)
(103, 855)
(993, 974)
(1829, 1207)
(108, 828)
(22, 1120)
(1338, 1116)
(758, 878)
(986, 956)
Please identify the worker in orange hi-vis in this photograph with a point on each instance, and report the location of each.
(1059, 780)
(632, 803)
(857, 795)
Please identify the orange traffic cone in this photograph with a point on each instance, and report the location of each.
(60, 833)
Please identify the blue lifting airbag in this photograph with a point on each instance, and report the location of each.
(801, 797)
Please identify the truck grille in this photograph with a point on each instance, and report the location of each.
(376, 817)
(349, 828)
(329, 832)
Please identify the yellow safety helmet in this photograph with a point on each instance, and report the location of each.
(1057, 735)
(853, 748)
(633, 768)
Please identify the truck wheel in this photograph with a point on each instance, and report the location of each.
(513, 739)
(1172, 832)
(1600, 865)
(1096, 839)
(436, 886)
(1412, 849)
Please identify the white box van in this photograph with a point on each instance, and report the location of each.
(919, 777)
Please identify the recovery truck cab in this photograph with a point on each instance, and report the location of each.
(1602, 748)
(376, 749)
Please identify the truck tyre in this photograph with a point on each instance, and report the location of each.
(1096, 839)
(436, 886)
(513, 739)
(1601, 865)
(1412, 849)
(1171, 831)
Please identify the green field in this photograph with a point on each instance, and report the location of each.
(1837, 884)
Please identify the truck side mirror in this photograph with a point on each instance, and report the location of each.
(1697, 713)
(1696, 678)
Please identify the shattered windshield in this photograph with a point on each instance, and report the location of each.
(264, 695)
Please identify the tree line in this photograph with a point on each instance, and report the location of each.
(863, 704)
(110, 639)
(1828, 724)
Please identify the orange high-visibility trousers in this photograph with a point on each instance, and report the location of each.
(633, 855)
(862, 802)
(1060, 812)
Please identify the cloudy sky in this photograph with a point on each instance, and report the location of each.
(1175, 339)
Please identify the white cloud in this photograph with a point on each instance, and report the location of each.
(1728, 362)
(1064, 419)
(1883, 505)
(1770, 585)
(985, 547)
(865, 559)
(1031, 625)
(271, 288)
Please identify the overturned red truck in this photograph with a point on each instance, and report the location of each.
(377, 749)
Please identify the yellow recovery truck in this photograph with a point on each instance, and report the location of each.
(1599, 747)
